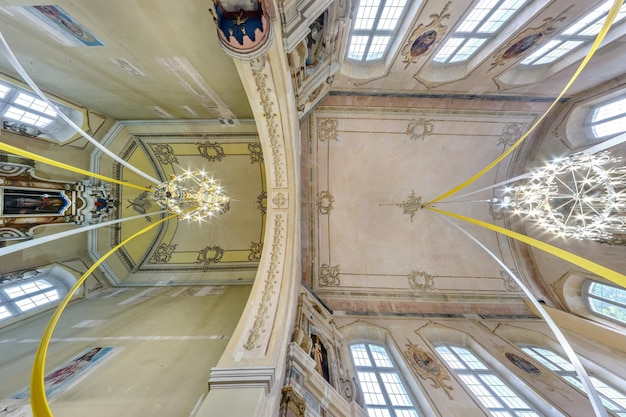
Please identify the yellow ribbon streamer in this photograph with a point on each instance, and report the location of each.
(605, 28)
(17, 151)
(38, 400)
(597, 269)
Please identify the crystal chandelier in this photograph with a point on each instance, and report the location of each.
(582, 196)
(192, 195)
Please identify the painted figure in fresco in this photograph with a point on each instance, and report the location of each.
(522, 45)
(32, 202)
(60, 375)
(522, 363)
(423, 42)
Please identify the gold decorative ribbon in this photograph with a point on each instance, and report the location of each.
(17, 151)
(596, 43)
(38, 400)
(597, 269)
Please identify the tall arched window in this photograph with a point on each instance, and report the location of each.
(581, 32)
(606, 300)
(489, 388)
(379, 379)
(611, 398)
(374, 29)
(481, 24)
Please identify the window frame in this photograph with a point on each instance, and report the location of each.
(566, 374)
(593, 110)
(562, 38)
(489, 370)
(585, 293)
(473, 34)
(393, 33)
(374, 368)
(61, 284)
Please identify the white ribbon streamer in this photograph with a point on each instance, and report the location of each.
(8, 54)
(45, 239)
(596, 403)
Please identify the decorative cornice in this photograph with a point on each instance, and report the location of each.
(258, 377)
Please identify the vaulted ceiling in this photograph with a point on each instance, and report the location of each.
(373, 136)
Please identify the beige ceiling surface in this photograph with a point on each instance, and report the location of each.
(223, 248)
(157, 59)
(371, 168)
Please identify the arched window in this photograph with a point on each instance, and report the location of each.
(28, 291)
(24, 108)
(379, 379)
(581, 32)
(23, 112)
(481, 24)
(606, 300)
(608, 119)
(489, 388)
(611, 398)
(374, 29)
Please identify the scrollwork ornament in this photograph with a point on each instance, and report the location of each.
(211, 151)
(329, 276)
(420, 129)
(421, 281)
(325, 202)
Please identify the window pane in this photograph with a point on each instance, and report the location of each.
(33, 103)
(372, 391)
(357, 47)
(27, 288)
(558, 52)
(608, 111)
(608, 292)
(501, 15)
(27, 117)
(395, 390)
(359, 355)
(380, 356)
(448, 49)
(468, 358)
(378, 412)
(449, 357)
(4, 90)
(608, 309)
(467, 50)
(377, 47)
(4, 313)
(366, 14)
(612, 127)
(390, 14)
(479, 12)
(588, 19)
(481, 391)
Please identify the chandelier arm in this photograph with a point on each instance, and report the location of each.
(594, 398)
